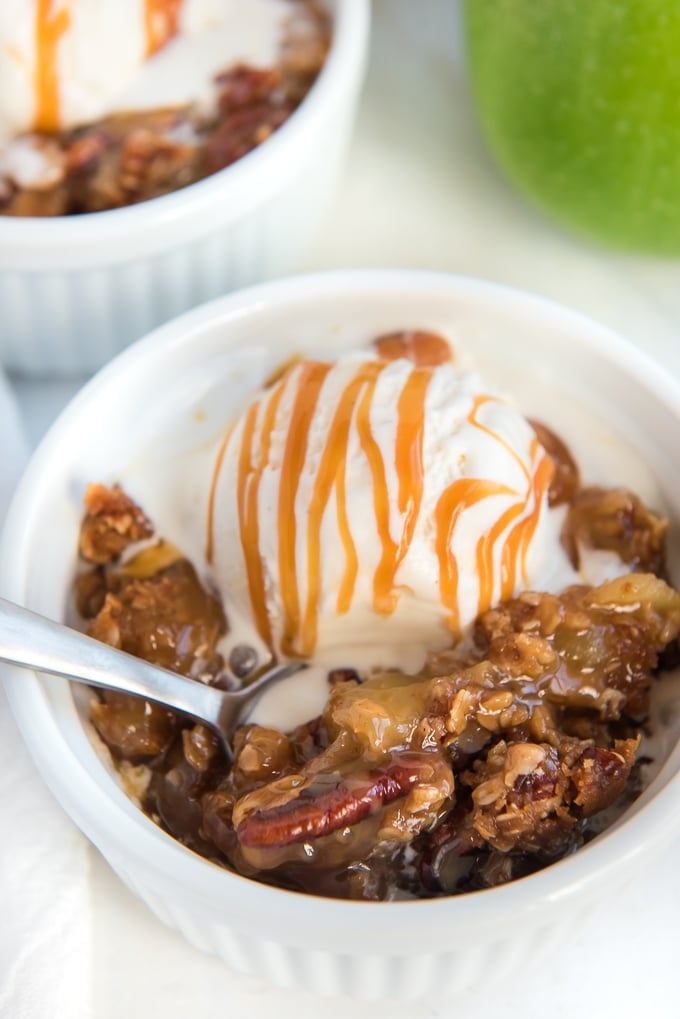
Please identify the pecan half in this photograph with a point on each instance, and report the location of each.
(334, 801)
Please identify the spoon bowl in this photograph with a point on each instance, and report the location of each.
(31, 641)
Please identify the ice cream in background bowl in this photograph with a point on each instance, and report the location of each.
(65, 63)
(214, 374)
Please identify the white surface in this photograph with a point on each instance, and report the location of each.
(46, 943)
(15, 444)
(420, 191)
(45, 934)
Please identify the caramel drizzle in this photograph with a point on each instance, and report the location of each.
(409, 456)
(485, 555)
(473, 418)
(210, 530)
(464, 493)
(161, 21)
(299, 628)
(384, 597)
(249, 478)
(349, 579)
(516, 548)
(331, 471)
(408, 462)
(310, 380)
(50, 25)
(460, 496)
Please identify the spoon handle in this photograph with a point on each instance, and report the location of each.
(31, 641)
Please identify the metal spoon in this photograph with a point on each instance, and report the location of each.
(31, 641)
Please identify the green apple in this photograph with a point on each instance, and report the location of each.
(580, 104)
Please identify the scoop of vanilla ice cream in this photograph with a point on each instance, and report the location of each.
(365, 512)
(69, 62)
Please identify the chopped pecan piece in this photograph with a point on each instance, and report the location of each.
(90, 592)
(426, 350)
(113, 521)
(132, 727)
(616, 520)
(86, 149)
(593, 648)
(242, 131)
(260, 754)
(168, 619)
(244, 86)
(599, 776)
(566, 479)
(527, 797)
(152, 163)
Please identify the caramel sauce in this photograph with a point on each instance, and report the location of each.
(410, 478)
(517, 545)
(346, 589)
(161, 21)
(250, 476)
(486, 547)
(458, 497)
(51, 22)
(384, 598)
(332, 471)
(311, 376)
(409, 455)
(210, 528)
(249, 526)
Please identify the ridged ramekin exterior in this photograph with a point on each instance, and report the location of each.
(72, 321)
(81, 305)
(450, 966)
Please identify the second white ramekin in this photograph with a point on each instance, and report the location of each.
(75, 290)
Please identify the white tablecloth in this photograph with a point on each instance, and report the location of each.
(421, 191)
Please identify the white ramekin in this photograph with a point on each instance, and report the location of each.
(75, 290)
(186, 377)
